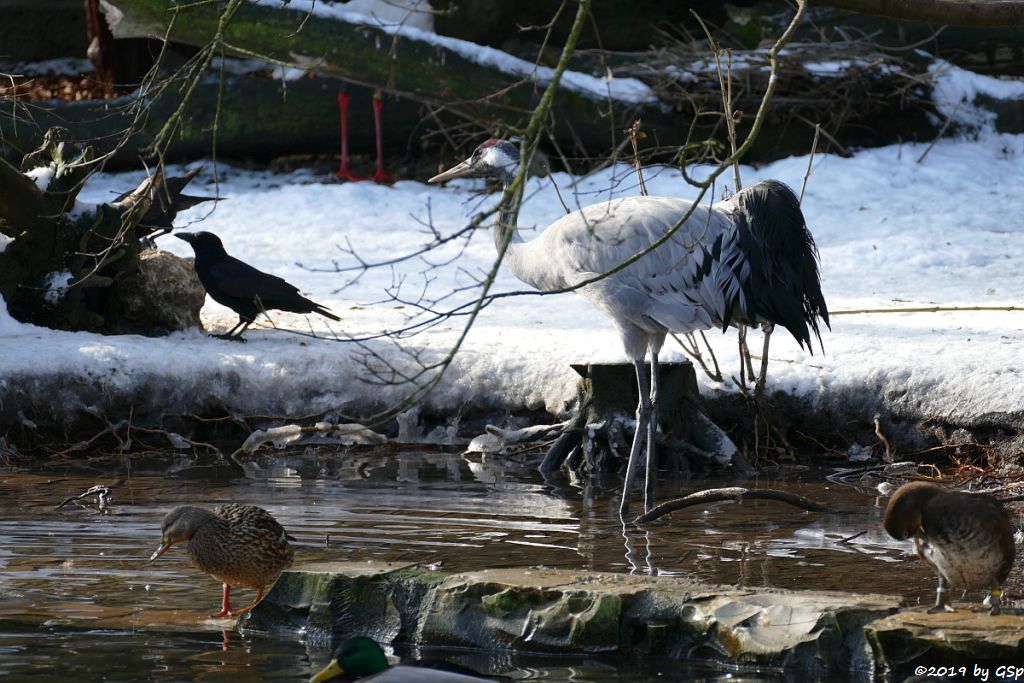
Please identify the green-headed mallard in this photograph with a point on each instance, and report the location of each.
(361, 657)
(239, 545)
(965, 537)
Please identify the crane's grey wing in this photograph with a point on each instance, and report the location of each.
(680, 285)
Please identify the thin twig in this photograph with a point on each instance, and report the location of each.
(810, 160)
(942, 132)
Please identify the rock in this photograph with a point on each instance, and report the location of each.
(913, 638)
(542, 610)
(164, 297)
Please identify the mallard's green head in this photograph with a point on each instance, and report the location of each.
(359, 656)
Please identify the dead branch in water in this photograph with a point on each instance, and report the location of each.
(736, 493)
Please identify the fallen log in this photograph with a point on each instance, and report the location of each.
(479, 83)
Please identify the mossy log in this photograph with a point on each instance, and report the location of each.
(408, 64)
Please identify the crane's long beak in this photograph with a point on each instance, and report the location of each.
(460, 170)
(161, 550)
(328, 672)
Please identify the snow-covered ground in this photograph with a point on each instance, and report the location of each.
(893, 233)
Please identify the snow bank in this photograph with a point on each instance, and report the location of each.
(892, 233)
(955, 91)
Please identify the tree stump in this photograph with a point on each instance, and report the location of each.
(599, 436)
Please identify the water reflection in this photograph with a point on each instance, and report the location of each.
(73, 578)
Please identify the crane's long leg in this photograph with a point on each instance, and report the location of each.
(652, 432)
(378, 131)
(643, 413)
(344, 172)
(768, 328)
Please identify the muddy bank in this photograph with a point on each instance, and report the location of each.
(212, 412)
(809, 633)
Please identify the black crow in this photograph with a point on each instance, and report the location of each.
(242, 288)
(167, 199)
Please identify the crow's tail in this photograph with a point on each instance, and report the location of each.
(324, 311)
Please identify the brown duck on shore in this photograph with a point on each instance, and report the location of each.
(239, 545)
(965, 537)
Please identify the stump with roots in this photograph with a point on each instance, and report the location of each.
(71, 266)
(598, 437)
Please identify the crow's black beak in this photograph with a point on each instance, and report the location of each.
(187, 236)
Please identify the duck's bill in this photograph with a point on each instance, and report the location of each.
(458, 171)
(328, 672)
(160, 551)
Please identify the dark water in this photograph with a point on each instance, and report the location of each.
(80, 601)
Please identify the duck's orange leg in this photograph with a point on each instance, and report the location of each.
(256, 601)
(225, 605)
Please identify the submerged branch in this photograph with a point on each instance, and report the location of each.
(736, 493)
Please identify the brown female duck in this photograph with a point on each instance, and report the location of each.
(965, 537)
(239, 545)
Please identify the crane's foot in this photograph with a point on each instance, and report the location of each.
(345, 173)
(382, 178)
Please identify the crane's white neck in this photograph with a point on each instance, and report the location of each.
(506, 227)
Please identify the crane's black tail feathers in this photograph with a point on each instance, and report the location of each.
(782, 285)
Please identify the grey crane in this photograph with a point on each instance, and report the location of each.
(748, 259)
